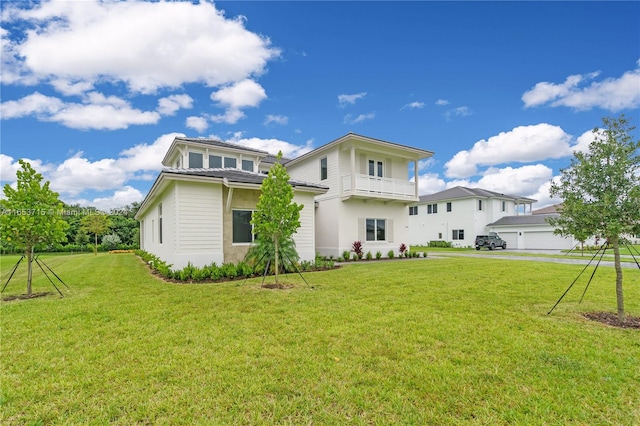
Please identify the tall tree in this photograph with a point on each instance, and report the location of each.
(96, 224)
(601, 191)
(276, 217)
(31, 215)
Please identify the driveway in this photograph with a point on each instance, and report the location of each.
(535, 256)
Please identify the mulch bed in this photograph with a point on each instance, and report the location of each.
(25, 296)
(611, 319)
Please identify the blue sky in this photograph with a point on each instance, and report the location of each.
(503, 92)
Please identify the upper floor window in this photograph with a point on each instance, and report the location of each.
(432, 208)
(323, 168)
(215, 162)
(376, 168)
(230, 163)
(376, 229)
(449, 206)
(160, 223)
(195, 160)
(479, 204)
(504, 206)
(247, 165)
(413, 210)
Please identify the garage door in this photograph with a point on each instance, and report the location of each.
(545, 240)
(511, 238)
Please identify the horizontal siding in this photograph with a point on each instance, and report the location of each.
(199, 218)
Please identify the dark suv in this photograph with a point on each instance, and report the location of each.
(490, 241)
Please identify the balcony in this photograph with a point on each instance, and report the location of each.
(378, 188)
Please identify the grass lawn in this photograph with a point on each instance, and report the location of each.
(422, 341)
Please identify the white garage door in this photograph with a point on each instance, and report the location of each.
(511, 238)
(545, 240)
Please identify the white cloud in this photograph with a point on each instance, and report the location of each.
(199, 124)
(515, 181)
(273, 146)
(35, 104)
(145, 157)
(583, 141)
(544, 196)
(462, 111)
(349, 119)
(120, 198)
(344, 100)
(150, 45)
(522, 144)
(442, 102)
(414, 105)
(276, 119)
(244, 94)
(613, 94)
(430, 183)
(97, 112)
(171, 104)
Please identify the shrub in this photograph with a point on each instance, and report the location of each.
(229, 270)
(369, 256)
(378, 255)
(391, 254)
(346, 255)
(356, 248)
(355, 256)
(111, 241)
(403, 249)
(440, 244)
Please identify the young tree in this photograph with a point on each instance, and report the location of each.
(96, 224)
(31, 215)
(276, 217)
(601, 191)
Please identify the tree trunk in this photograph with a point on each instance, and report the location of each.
(619, 294)
(29, 253)
(275, 241)
(95, 247)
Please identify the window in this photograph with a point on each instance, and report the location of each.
(439, 235)
(375, 168)
(242, 228)
(230, 162)
(432, 208)
(376, 229)
(413, 210)
(449, 206)
(215, 162)
(504, 206)
(323, 168)
(479, 204)
(247, 165)
(457, 234)
(160, 223)
(195, 160)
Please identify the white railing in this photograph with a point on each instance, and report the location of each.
(378, 187)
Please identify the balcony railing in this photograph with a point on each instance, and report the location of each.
(376, 187)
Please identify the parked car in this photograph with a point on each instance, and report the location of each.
(490, 241)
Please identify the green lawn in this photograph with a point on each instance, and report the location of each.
(422, 341)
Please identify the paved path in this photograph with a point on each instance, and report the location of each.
(496, 255)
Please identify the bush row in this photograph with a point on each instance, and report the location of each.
(214, 272)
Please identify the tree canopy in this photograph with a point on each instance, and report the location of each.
(31, 215)
(601, 191)
(276, 217)
(96, 224)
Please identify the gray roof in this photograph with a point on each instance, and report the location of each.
(537, 219)
(235, 175)
(214, 142)
(459, 192)
(548, 210)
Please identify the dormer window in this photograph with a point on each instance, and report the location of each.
(230, 163)
(195, 160)
(247, 165)
(215, 162)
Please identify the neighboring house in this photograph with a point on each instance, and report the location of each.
(458, 214)
(531, 232)
(199, 208)
(354, 188)
(369, 191)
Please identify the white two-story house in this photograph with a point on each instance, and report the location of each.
(458, 214)
(199, 208)
(354, 188)
(369, 191)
